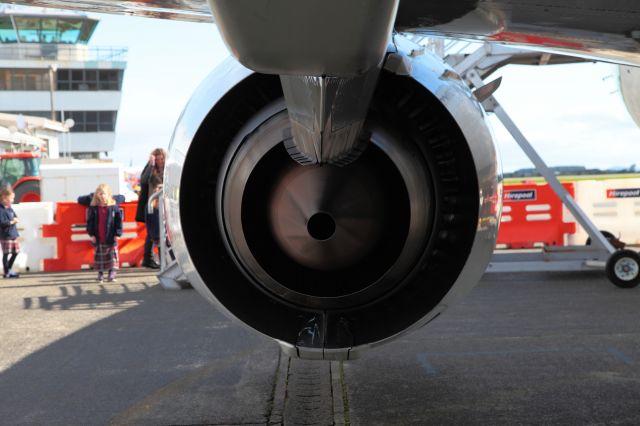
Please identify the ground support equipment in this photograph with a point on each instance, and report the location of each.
(622, 266)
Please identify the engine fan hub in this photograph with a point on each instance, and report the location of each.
(328, 217)
(321, 226)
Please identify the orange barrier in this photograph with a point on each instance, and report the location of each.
(532, 215)
(73, 248)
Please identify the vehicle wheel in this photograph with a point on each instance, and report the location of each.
(608, 235)
(623, 268)
(28, 192)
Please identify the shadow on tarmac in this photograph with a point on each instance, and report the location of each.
(165, 358)
(521, 349)
(77, 297)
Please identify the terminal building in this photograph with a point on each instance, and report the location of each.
(48, 70)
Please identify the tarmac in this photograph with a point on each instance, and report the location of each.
(521, 348)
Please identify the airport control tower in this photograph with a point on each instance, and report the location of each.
(47, 69)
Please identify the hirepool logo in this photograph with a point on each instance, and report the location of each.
(520, 195)
(623, 193)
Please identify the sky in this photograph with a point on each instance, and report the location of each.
(572, 114)
(166, 61)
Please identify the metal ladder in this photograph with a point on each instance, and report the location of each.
(474, 68)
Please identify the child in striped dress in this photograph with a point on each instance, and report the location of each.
(104, 226)
(8, 232)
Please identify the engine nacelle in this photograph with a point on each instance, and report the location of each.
(331, 260)
(629, 82)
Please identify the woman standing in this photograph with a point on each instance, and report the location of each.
(154, 168)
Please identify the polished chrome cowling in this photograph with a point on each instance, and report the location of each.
(331, 260)
(629, 85)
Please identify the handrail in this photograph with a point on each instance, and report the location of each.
(61, 52)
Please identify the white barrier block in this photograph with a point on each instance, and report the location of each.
(33, 247)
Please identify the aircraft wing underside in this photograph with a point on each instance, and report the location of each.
(608, 30)
(179, 10)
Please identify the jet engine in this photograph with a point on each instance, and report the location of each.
(330, 260)
(629, 84)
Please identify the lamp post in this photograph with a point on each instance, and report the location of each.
(52, 70)
(68, 124)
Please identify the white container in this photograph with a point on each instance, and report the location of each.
(67, 181)
(612, 205)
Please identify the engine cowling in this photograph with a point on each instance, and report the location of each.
(629, 83)
(332, 260)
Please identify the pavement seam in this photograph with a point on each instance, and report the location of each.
(309, 394)
(275, 410)
(336, 394)
(345, 396)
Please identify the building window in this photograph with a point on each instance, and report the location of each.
(85, 121)
(66, 79)
(92, 121)
(47, 29)
(89, 79)
(24, 79)
(7, 32)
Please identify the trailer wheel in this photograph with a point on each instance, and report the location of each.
(623, 268)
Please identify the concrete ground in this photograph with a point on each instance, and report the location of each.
(522, 348)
